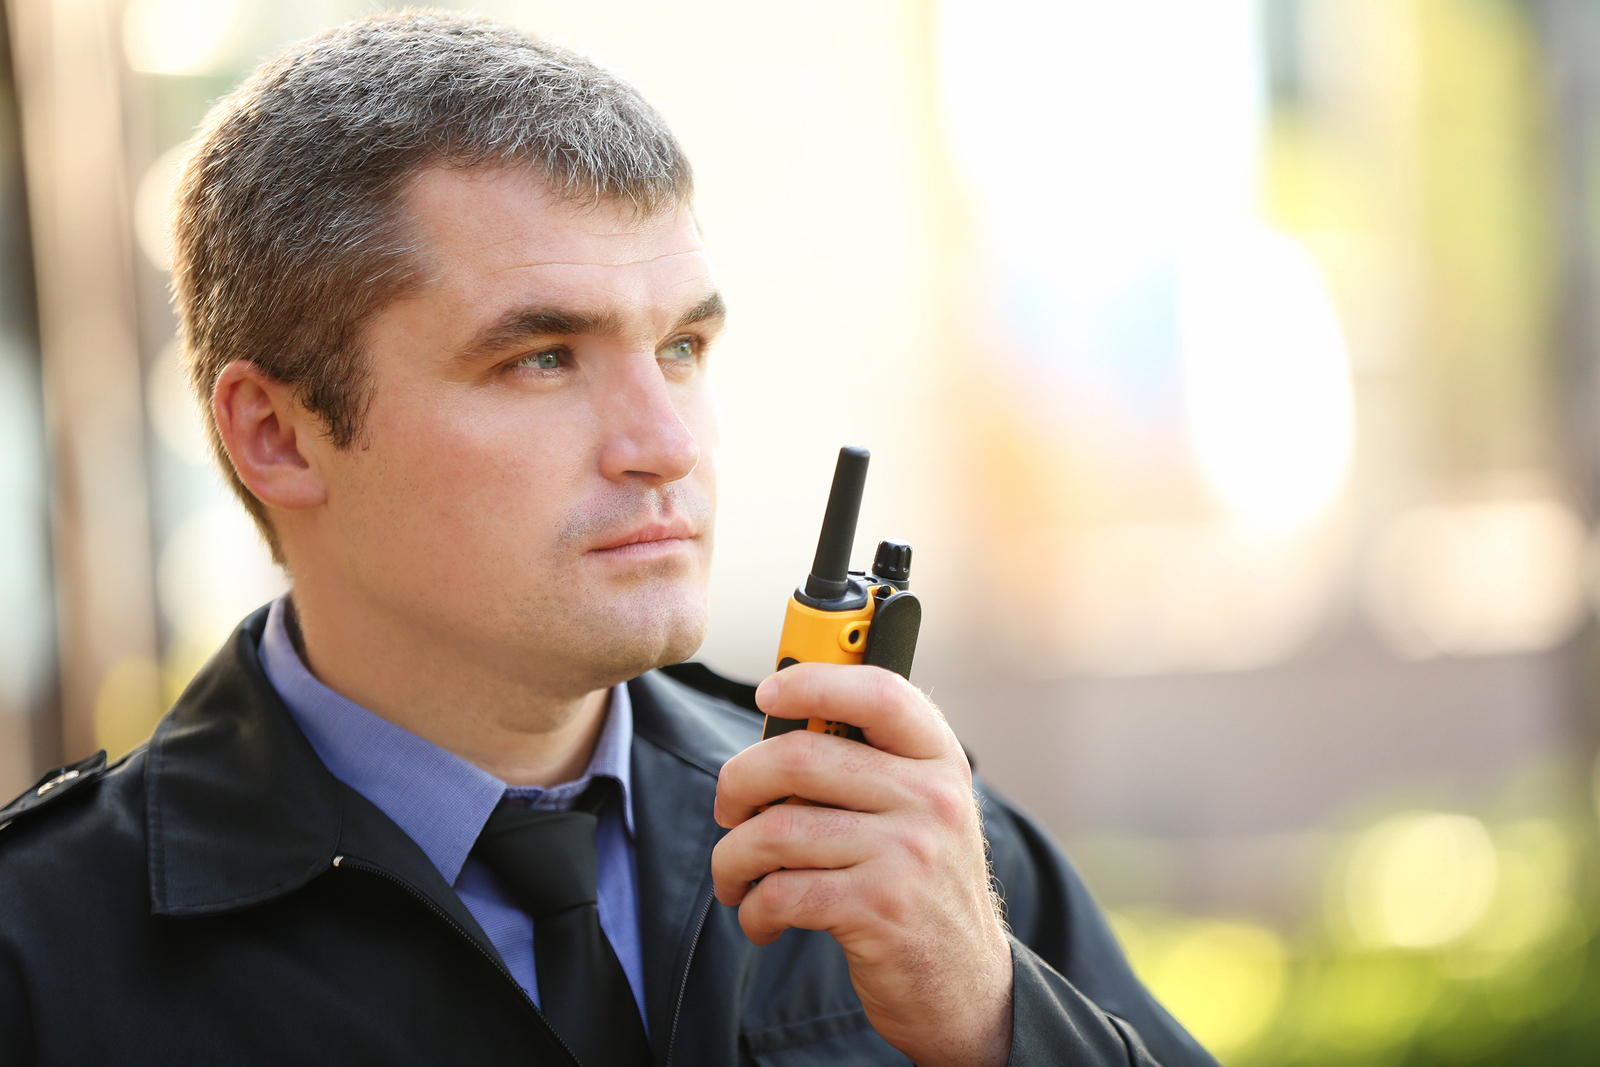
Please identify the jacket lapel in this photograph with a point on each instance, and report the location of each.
(681, 739)
(369, 837)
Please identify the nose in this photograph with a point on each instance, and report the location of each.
(644, 439)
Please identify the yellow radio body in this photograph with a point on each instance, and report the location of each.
(844, 616)
(812, 635)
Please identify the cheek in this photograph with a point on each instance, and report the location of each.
(449, 469)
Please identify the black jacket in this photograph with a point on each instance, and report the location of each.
(218, 897)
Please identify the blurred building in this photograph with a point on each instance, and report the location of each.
(1231, 365)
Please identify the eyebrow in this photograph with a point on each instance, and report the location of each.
(524, 323)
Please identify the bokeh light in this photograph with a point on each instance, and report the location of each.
(152, 208)
(214, 570)
(174, 411)
(1159, 597)
(1366, 1004)
(130, 703)
(1420, 880)
(1479, 579)
(1533, 900)
(1266, 376)
(180, 36)
(1223, 980)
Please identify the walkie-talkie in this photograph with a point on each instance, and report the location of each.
(843, 616)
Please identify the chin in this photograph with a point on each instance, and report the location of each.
(643, 636)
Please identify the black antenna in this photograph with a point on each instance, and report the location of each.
(830, 572)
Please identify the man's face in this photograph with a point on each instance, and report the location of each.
(536, 484)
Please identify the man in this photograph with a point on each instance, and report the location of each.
(442, 292)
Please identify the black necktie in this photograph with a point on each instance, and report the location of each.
(547, 861)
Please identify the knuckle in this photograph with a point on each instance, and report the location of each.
(947, 805)
(778, 825)
(781, 892)
(884, 904)
(799, 755)
(924, 844)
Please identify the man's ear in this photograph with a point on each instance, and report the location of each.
(270, 437)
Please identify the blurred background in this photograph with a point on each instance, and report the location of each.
(1233, 365)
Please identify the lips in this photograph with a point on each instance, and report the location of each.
(675, 529)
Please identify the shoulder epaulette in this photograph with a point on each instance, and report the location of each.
(53, 786)
(699, 676)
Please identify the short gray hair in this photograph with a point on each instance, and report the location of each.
(288, 233)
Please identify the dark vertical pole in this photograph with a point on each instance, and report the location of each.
(30, 709)
(69, 72)
(1569, 37)
(1568, 31)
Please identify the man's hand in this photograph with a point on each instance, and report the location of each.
(893, 867)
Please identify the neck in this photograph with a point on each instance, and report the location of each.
(506, 725)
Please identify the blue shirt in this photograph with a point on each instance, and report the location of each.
(442, 802)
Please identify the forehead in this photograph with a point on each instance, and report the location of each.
(478, 224)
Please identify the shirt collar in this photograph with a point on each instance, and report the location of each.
(439, 799)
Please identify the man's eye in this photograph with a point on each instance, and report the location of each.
(681, 349)
(541, 361)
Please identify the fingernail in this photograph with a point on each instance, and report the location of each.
(766, 692)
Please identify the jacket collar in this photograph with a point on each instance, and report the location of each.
(240, 809)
